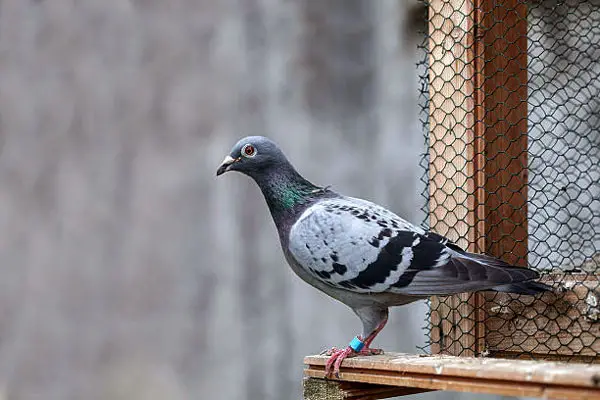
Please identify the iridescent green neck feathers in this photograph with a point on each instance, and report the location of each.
(285, 191)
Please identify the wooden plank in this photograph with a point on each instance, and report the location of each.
(451, 169)
(451, 119)
(321, 389)
(452, 183)
(457, 324)
(562, 324)
(501, 127)
(478, 147)
(556, 373)
(483, 386)
(469, 374)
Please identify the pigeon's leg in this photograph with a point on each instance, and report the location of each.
(373, 319)
(383, 318)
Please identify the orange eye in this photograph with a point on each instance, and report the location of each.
(248, 151)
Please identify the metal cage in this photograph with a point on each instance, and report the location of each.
(511, 106)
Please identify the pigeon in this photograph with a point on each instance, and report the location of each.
(360, 253)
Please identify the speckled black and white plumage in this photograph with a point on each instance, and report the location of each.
(355, 245)
(360, 253)
(358, 246)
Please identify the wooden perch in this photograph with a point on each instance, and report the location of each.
(374, 377)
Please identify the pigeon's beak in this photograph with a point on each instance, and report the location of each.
(224, 167)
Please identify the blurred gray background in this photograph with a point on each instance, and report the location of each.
(128, 270)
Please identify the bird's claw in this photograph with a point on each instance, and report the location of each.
(328, 352)
(337, 356)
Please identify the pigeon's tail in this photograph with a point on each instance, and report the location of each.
(523, 278)
(530, 288)
(469, 272)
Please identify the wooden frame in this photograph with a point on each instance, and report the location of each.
(478, 147)
(378, 377)
(478, 188)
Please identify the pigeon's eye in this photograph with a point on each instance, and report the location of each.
(248, 150)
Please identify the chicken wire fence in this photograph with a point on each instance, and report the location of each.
(511, 110)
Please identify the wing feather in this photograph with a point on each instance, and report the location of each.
(361, 247)
(356, 245)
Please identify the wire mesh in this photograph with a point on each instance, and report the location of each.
(510, 100)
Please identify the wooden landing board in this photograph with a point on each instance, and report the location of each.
(550, 380)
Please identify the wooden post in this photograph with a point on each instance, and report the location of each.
(501, 126)
(478, 147)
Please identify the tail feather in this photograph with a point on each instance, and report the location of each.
(469, 272)
(529, 288)
(524, 277)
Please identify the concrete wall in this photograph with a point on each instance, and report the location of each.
(128, 270)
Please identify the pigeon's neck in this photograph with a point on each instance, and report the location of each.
(285, 191)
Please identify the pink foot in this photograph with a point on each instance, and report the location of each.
(335, 360)
(336, 356)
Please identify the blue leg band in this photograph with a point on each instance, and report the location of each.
(356, 344)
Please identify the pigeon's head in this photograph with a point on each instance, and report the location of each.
(252, 155)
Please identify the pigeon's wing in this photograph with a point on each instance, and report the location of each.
(362, 247)
(467, 272)
(353, 244)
